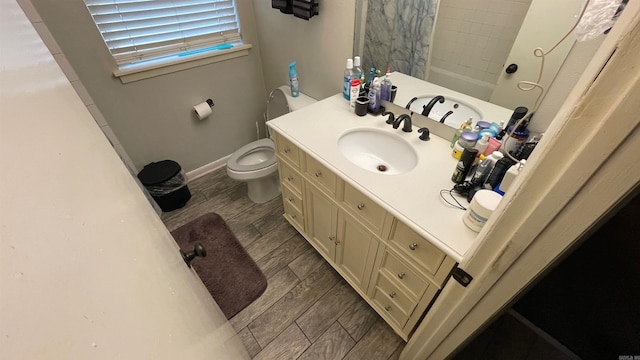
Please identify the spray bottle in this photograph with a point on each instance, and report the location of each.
(293, 79)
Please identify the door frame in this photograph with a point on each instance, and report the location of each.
(585, 165)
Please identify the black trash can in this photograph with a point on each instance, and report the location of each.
(167, 184)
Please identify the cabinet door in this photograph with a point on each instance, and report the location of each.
(321, 215)
(355, 251)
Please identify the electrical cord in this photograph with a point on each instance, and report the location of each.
(450, 192)
(531, 85)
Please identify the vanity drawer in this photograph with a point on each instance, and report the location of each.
(403, 275)
(389, 308)
(290, 177)
(387, 286)
(421, 252)
(365, 209)
(287, 150)
(294, 215)
(321, 176)
(291, 198)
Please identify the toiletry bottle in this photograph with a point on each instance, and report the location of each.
(510, 175)
(385, 87)
(348, 76)
(355, 91)
(464, 165)
(494, 145)
(467, 140)
(374, 95)
(357, 70)
(482, 144)
(499, 170)
(458, 133)
(518, 114)
(484, 169)
(293, 79)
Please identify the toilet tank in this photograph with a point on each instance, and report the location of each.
(281, 102)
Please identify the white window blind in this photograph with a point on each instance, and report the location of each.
(138, 30)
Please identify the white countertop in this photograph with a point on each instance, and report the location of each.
(412, 197)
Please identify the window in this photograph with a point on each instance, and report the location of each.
(140, 31)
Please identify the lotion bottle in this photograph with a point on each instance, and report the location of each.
(482, 144)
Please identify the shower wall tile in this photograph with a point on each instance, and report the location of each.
(482, 33)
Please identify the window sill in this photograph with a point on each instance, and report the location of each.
(150, 69)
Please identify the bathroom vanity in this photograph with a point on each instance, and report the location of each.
(391, 236)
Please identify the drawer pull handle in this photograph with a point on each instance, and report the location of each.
(290, 178)
(293, 217)
(401, 275)
(286, 150)
(360, 206)
(332, 238)
(290, 200)
(317, 174)
(413, 246)
(392, 294)
(387, 308)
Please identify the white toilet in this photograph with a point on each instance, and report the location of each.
(255, 163)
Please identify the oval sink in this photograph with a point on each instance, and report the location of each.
(378, 151)
(461, 111)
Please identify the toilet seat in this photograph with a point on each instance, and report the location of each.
(253, 156)
(256, 163)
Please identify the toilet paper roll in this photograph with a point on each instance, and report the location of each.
(202, 110)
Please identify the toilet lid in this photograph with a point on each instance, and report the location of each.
(253, 156)
(277, 105)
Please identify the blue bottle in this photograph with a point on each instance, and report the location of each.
(293, 79)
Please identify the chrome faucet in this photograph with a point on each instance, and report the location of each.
(427, 108)
(407, 122)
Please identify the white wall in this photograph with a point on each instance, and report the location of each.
(320, 46)
(153, 118)
(574, 65)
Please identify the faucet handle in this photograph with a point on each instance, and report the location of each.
(391, 117)
(424, 136)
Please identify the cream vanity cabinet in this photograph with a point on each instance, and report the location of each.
(394, 269)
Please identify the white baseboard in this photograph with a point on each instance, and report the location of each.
(208, 168)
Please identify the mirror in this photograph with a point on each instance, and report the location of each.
(466, 45)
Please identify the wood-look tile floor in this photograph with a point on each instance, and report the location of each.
(307, 311)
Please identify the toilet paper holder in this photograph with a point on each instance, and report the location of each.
(203, 110)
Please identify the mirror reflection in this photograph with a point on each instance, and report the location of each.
(467, 45)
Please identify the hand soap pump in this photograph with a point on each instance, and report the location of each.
(293, 79)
